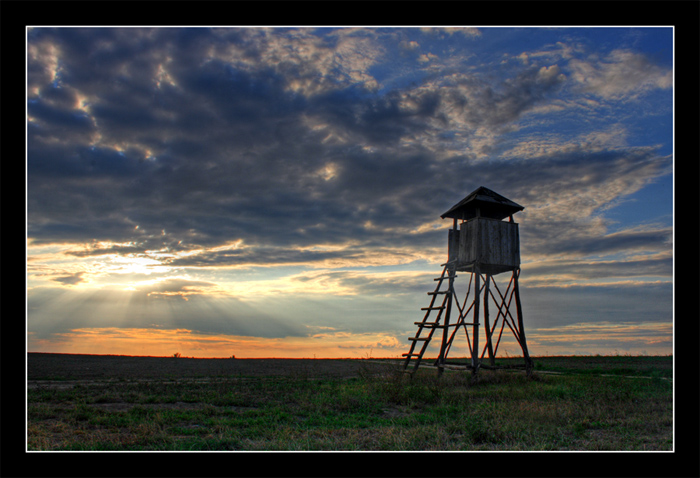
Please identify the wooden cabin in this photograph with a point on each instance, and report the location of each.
(484, 242)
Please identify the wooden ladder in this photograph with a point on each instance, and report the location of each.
(430, 325)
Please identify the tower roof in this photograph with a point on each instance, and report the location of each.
(489, 203)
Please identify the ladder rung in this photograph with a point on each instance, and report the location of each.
(433, 308)
(443, 278)
(439, 292)
(419, 338)
(429, 324)
(410, 355)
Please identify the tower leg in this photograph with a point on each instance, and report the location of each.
(521, 328)
(487, 324)
(475, 329)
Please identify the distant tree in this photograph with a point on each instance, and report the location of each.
(176, 355)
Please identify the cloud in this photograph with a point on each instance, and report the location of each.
(610, 336)
(375, 284)
(655, 266)
(637, 302)
(309, 62)
(622, 74)
(182, 288)
(70, 279)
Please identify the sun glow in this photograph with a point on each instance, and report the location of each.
(135, 265)
(188, 343)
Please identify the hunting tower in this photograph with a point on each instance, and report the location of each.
(484, 245)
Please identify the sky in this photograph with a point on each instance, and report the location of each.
(277, 192)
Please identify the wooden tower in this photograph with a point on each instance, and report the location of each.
(484, 245)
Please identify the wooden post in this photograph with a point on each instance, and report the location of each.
(487, 324)
(475, 329)
(446, 323)
(521, 327)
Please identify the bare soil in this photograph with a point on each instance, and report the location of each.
(54, 367)
(64, 368)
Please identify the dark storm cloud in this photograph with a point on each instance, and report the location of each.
(196, 137)
(62, 116)
(496, 105)
(381, 121)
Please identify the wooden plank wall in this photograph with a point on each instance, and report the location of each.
(489, 241)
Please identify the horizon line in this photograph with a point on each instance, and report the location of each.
(233, 357)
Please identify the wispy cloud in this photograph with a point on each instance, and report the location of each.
(620, 75)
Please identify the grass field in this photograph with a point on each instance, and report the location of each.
(570, 403)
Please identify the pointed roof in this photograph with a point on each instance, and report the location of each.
(490, 204)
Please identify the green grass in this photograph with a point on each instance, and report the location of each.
(375, 411)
